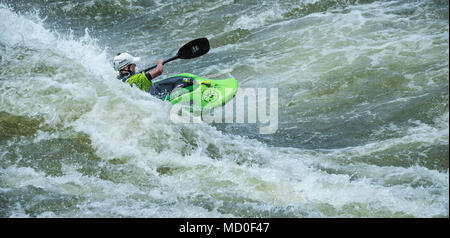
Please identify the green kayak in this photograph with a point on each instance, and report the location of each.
(200, 94)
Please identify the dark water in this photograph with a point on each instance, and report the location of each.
(362, 119)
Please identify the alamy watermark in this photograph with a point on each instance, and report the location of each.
(252, 104)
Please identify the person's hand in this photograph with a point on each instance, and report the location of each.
(158, 70)
(160, 66)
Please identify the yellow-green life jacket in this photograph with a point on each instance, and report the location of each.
(141, 81)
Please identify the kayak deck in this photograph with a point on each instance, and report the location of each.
(201, 93)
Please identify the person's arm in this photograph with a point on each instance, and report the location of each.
(158, 70)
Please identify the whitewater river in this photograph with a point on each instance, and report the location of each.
(362, 117)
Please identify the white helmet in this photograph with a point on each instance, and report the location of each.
(123, 59)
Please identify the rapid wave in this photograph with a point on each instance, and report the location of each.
(363, 122)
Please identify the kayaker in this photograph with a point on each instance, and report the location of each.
(126, 65)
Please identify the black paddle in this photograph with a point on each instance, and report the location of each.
(193, 49)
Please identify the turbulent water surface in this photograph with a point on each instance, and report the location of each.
(363, 117)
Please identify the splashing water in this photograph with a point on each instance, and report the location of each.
(363, 116)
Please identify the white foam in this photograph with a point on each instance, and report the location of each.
(125, 123)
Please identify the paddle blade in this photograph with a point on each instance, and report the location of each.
(194, 49)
